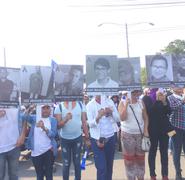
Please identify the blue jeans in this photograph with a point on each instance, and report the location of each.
(177, 142)
(104, 158)
(12, 158)
(44, 165)
(71, 146)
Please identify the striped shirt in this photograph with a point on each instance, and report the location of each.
(177, 117)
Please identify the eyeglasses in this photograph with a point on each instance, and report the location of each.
(100, 69)
(158, 67)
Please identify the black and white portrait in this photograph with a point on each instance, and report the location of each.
(101, 71)
(68, 80)
(9, 84)
(179, 67)
(129, 72)
(159, 68)
(36, 82)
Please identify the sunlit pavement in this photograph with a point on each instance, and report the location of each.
(27, 170)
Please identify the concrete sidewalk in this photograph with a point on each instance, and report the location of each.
(27, 171)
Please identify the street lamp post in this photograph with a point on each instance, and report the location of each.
(126, 31)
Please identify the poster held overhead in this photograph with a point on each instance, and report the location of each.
(68, 82)
(9, 86)
(129, 73)
(178, 62)
(102, 74)
(36, 86)
(159, 70)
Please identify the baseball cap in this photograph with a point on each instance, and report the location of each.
(23, 108)
(45, 105)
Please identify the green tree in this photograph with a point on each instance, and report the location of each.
(175, 47)
(143, 76)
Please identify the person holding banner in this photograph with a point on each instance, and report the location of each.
(177, 119)
(134, 156)
(159, 132)
(41, 141)
(6, 85)
(102, 72)
(71, 116)
(158, 69)
(102, 116)
(12, 136)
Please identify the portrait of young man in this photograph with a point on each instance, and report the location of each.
(159, 68)
(102, 71)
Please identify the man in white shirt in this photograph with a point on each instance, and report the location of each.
(102, 116)
(102, 71)
(10, 141)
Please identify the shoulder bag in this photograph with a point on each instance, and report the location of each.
(145, 145)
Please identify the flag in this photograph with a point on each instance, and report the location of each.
(54, 65)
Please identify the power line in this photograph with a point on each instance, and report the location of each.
(174, 28)
(130, 5)
(129, 9)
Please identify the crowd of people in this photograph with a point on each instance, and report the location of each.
(100, 122)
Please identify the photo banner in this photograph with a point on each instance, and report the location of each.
(9, 86)
(9, 121)
(129, 72)
(159, 70)
(36, 84)
(178, 62)
(102, 75)
(68, 83)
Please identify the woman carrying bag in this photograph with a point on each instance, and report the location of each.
(134, 157)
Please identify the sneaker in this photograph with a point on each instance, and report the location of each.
(165, 178)
(54, 168)
(179, 178)
(153, 178)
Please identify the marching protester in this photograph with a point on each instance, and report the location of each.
(102, 72)
(134, 156)
(147, 100)
(177, 119)
(159, 126)
(71, 116)
(12, 133)
(117, 130)
(102, 115)
(41, 141)
(85, 99)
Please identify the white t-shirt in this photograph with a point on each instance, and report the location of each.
(110, 84)
(9, 132)
(42, 143)
(105, 127)
(129, 125)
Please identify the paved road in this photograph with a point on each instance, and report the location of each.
(27, 171)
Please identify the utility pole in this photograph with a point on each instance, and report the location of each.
(4, 57)
(126, 30)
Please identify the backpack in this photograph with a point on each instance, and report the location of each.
(60, 106)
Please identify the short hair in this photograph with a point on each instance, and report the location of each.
(2, 69)
(103, 62)
(125, 66)
(77, 67)
(159, 57)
